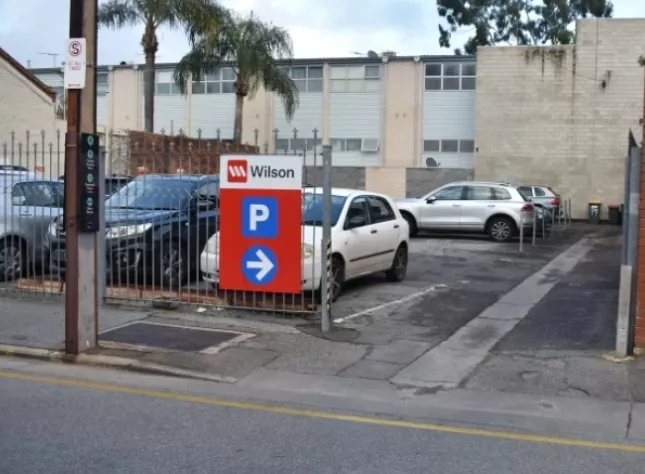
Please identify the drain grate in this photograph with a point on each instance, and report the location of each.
(169, 337)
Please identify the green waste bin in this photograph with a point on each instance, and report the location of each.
(615, 214)
(594, 212)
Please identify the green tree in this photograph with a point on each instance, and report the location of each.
(252, 49)
(154, 14)
(515, 21)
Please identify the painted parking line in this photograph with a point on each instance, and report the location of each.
(405, 299)
(283, 410)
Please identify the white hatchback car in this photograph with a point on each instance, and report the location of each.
(369, 235)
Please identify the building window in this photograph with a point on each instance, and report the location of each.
(296, 145)
(215, 81)
(306, 78)
(360, 145)
(450, 76)
(448, 146)
(165, 83)
(102, 84)
(364, 78)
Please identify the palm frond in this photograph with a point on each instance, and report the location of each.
(199, 60)
(116, 14)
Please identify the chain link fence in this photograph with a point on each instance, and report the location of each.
(161, 214)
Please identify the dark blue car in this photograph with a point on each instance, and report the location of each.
(156, 229)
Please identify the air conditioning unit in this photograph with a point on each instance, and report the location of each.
(432, 163)
(369, 145)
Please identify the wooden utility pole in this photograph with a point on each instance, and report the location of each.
(81, 295)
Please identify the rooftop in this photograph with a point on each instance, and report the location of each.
(298, 61)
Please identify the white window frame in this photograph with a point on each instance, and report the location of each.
(288, 70)
(214, 76)
(442, 77)
(370, 145)
(345, 79)
(440, 142)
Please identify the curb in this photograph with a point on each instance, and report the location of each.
(109, 361)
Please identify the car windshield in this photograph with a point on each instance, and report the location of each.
(312, 208)
(151, 193)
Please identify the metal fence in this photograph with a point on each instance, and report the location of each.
(161, 216)
(630, 230)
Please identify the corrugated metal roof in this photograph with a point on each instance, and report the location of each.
(299, 62)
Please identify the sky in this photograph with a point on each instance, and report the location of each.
(319, 28)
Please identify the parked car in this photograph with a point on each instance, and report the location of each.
(543, 195)
(497, 209)
(156, 228)
(28, 206)
(368, 236)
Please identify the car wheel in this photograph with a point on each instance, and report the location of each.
(399, 265)
(174, 271)
(412, 225)
(11, 260)
(501, 229)
(337, 277)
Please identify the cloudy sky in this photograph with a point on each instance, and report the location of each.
(319, 28)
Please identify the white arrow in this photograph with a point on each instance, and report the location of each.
(264, 264)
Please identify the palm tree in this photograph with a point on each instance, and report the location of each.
(188, 14)
(252, 49)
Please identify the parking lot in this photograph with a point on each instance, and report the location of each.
(450, 280)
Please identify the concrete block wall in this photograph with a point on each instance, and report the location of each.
(559, 116)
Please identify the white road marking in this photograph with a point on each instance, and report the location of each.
(449, 363)
(405, 299)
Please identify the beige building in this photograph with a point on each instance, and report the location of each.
(560, 116)
(397, 124)
(556, 116)
(27, 118)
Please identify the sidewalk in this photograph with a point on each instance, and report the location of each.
(555, 350)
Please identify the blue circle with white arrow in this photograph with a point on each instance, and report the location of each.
(259, 265)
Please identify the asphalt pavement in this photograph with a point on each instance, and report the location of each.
(56, 422)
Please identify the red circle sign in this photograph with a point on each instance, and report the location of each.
(75, 48)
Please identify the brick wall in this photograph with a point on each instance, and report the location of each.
(559, 116)
(155, 153)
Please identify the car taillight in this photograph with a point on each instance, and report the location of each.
(528, 208)
(555, 201)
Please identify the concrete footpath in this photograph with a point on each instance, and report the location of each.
(535, 353)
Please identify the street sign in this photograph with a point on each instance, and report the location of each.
(260, 223)
(89, 195)
(76, 64)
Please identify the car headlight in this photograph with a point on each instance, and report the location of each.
(126, 230)
(212, 246)
(307, 251)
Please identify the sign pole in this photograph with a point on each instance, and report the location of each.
(326, 277)
(81, 303)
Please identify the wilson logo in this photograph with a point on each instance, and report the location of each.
(237, 171)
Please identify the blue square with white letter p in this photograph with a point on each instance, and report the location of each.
(260, 217)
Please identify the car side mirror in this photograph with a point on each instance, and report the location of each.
(205, 205)
(431, 199)
(356, 221)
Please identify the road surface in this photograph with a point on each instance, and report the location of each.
(61, 423)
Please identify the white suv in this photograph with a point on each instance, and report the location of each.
(497, 209)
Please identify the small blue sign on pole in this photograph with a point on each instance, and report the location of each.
(260, 217)
(259, 265)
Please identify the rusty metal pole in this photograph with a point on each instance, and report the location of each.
(81, 290)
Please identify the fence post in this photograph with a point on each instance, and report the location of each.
(534, 224)
(521, 231)
(295, 137)
(326, 253)
(626, 301)
(275, 140)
